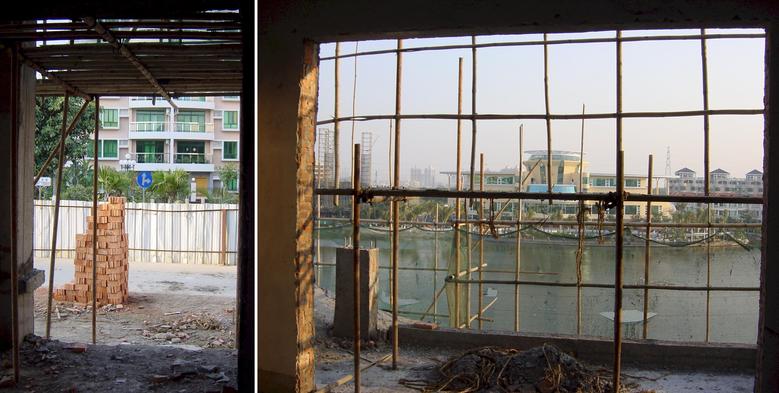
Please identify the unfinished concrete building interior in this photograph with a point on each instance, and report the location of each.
(85, 50)
(300, 41)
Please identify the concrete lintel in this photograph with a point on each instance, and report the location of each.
(649, 353)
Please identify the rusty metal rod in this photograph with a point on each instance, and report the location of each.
(473, 126)
(573, 284)
(348, 378)
(94, 221)
(396, 207)
(518, 265)
(458, 185)
(480, 298)
(56, 149)
(551, 42)
(548, 120)
(706, 170)
(356, 271)
(15, 96)
(647, 248)
(55, 223)
(337, 124)
(544, 223)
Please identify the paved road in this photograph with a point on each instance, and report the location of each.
(161, 277)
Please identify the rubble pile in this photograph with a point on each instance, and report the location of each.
(543, 369)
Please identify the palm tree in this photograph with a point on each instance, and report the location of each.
(112, 181)
(172, 185)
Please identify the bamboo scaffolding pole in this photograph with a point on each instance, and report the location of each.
(458, 185)
(354, 108)
(15, 95)
(620, 204)
(552, 42)
(110, 37)
(548, 120)
(356, 271)
(480, 298)
(555, 116)
(65, 85)
(437, 193)
(396, 207)
(707, 173)
(518, 264)
(647, 248)
(435, 267)
(337, 125)
(580, 219)
(94, 220)
(55, 223)
(348, 378)
(473, 128)
(57, 148)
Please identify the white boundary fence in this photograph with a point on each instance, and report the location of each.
(156, 232)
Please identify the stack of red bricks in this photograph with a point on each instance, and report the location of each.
(112, 267)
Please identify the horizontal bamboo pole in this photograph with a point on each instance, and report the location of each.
(435, 193)
(508, 223)
(551, 42)
(541, 116)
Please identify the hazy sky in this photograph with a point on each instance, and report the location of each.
(657, 76)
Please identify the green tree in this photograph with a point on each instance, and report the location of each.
(48, 127)
(113, 182)
(228, 174)
(171, 185)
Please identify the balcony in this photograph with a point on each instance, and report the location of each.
(161, 161)
(181, 102)
(166, 130)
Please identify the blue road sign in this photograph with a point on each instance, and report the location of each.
(144, 179)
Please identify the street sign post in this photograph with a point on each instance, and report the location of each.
(144, 181)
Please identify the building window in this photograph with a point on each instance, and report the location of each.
(109, 118)
(191, 121)
(150, 120)
(603, 182)
(106, 148)
(150, 152)
(632, 183)
(232, 185)
(230, 150)
(191, 152)
(231, 98)
(560, 172)
(631, 209)
(230, 120)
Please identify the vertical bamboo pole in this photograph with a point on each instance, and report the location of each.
(647, 247)
(395, 206)
(481, 240)
(619, 226)
(548, 119)
(517, 267)
(458, 185)
(354, 107)
(337, 123)
(94, 222)
(706, 181)
(15, 83)
(472, 177)
(581, 219)
(60, 164)
(435, 264)
(356, 271)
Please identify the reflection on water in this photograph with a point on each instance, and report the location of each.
(679, 315)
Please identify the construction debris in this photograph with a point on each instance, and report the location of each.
(112, 252)
(543, 369)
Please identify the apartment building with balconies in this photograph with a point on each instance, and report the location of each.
(198, 135)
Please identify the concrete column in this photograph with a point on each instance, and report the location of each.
(28, 279)
(343, 318)
(288, 93)
(768, 333)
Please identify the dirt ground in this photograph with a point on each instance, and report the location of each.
(334, 360)
(147, 319)
(176, 334)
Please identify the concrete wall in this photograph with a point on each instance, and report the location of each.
(24, 167)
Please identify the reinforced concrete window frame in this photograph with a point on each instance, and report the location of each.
(229, 124)
(226, 156)
(109, 118)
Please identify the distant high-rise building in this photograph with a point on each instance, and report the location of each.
(324, 169)
(366, 159)
(423, 177)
